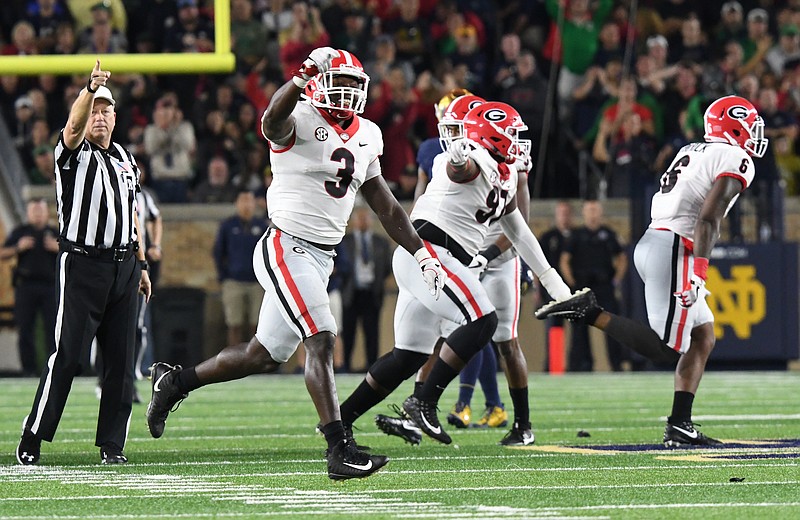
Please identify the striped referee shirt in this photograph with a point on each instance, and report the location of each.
(96, 192)
(148, 212)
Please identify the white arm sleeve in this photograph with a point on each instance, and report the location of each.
(525, 242)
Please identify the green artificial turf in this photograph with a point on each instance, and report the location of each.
(247, 449)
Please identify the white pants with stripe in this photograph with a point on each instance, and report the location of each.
(665, 263)
(501, 282)
(419, 319)
(294, 275)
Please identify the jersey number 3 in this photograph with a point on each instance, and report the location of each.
(338, 189)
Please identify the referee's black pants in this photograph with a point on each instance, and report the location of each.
(96, 298)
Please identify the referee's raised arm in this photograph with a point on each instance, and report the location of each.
(75, 130)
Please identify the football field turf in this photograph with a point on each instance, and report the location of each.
(247, 449)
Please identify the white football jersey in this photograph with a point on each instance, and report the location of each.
(688, 181)
(315, 178)
(466, 210)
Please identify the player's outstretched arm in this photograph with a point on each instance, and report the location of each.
(528, 247)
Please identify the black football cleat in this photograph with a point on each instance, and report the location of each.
(400, 426)
(685, 434)
(112, 454)
(574, 308)
(345, 461)
(424, 415)
(165, 395)
(519, 435)
(29, 448)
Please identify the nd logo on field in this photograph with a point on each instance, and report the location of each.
(738, 302)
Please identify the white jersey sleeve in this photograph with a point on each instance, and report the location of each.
(686, 184)
(316, 176)
(466, 210)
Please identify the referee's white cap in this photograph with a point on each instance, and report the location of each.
(104, 93)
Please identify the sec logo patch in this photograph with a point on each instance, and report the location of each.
(321, 134)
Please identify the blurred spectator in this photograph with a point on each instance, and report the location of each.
(254, 171)
(506, 63)
(52, 88)
(411, 35)
(673, 13)
(23, 125)
(23, 41)
(386, 58)
(691, 46)
(66, 39)
(598, 87)
(276, 17)
(248, 36)
(469, 54)
(190, 32)
(676, 99)
(787, 49)
(658, 50)
(217, 188)
(46, 16)
(214, 141)
(613, 113)
(610, 47)
(86, 11)
(579, 41)
(233, 257)
(353, 33)
(628, 161)
(393, 107)
(731, 24)
(304, 35)
(758, 41)
(170, 143)
(43, 171)
(363, 292)
(41, 135)
(36, 248)
(594, 258)
(137, 94)
(101, 38)
(11, 89)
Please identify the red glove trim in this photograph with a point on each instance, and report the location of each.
(701, 267)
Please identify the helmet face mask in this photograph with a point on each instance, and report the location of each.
(451, 125)
(342, 97)
(496, 127)
(734, 120)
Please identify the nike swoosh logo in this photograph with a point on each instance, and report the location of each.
(362, 144)
(436, 430)
(691, 435)
(158, 382)
(360, 467)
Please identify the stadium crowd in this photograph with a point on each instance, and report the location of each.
(627, 87)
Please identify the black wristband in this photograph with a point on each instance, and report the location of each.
(491, 252)
(89, 87)
(144, 265)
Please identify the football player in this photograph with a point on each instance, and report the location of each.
(499, 270)
(473, 186)
(322, 152)
(701, 185)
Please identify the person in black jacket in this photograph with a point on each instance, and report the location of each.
(35, 246)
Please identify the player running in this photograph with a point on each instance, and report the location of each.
(701, 185)
(472, 187)
(321, 153)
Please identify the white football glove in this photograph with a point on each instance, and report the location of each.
(478, 264)
(554, 285)
(694, 289)
(318, 62)
(524, 164)
(459, 152)
(432, 271)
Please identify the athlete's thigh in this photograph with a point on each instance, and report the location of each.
(502, 286)
(297, 277)
(279, 337)
(416, 328)
(463, 298)
(666, 264)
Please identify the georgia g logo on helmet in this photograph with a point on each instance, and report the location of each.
(495, 115)
(738, 112)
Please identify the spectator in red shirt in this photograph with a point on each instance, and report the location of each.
(305, 34)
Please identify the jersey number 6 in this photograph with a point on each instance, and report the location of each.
(670, 177)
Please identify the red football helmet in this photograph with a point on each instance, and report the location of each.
(734, 120)
(496, 126)
(342, 101)
(451, 125)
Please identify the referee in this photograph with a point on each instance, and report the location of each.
(99, 271)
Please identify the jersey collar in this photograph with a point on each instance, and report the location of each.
(344, 135)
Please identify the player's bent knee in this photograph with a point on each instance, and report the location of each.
(507, 348)
(396, 366)
(260, 358)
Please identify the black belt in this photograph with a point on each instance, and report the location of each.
(324, 247)
(435, 235)
(109, 254)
